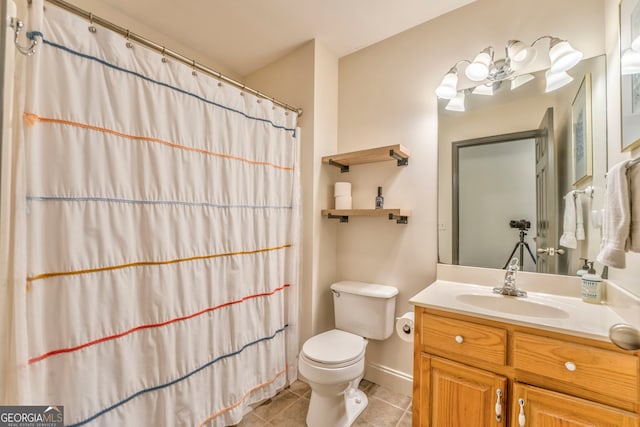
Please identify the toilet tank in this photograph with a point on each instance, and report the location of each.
(365, 309)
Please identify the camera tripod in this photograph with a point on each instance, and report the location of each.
(520, 244)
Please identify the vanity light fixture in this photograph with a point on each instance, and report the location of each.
(486, 89)
(518, 81)
(478, 69)
(456, 103)
(562, 55)
(556, 80)
(448, 86)
(520, 53)
(486, 69)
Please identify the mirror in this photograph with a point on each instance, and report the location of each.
(500, 195)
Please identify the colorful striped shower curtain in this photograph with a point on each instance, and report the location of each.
(161, 228)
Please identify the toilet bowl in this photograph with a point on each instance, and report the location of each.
(333, 365)
(333, 361)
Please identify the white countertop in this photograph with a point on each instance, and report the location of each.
(567, 314)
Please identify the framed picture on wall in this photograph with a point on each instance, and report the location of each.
(630, 68)
(581, 133)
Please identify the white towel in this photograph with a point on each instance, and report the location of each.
(568, 238)
(579, 217)
(634, 203)
(573, 222)
(617, 218)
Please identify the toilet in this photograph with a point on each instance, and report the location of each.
(333, 362)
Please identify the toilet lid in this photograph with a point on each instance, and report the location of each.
(333, 347)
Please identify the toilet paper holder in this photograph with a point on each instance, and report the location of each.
(405, 326)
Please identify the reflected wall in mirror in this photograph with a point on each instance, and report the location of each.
(509, 159)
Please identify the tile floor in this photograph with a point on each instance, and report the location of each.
(289, 408)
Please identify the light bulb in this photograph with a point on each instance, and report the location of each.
(456, 103)
(479, 69)
(556, 80)
(562, 55)
(520, 54)
(448, 87)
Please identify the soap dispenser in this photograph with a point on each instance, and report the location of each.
(592, 287)
(584, 269)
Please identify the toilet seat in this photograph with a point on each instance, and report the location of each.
(334, 348)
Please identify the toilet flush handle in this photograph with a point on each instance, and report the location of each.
(336, 293)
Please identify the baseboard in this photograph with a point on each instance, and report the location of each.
(389, 378)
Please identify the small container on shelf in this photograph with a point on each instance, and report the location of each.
(342, 195)
(379, 199)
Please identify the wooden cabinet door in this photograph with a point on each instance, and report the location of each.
(544, 408)
(459, 395)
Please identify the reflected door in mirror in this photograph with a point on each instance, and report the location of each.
(546, 194)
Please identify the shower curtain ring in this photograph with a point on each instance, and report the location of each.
(92, 28)
(17, 26)
(193, 65)
(164, 58)
(128, 44)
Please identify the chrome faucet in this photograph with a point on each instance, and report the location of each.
(509, 287)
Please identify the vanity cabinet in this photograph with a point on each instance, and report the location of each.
(471, 371)
(542, 407)
(606, 376)
(460, 395)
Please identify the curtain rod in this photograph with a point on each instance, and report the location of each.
(166, 52)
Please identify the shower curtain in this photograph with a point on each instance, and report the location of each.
(161, 225)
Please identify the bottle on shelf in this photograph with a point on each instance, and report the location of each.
(379, 199)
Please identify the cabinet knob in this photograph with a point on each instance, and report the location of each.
(459, 339)
(570, 366)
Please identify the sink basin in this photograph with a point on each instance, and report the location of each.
(513, 305)
(560, 309)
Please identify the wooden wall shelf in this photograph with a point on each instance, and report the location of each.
(372, 155)
(401, 216)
